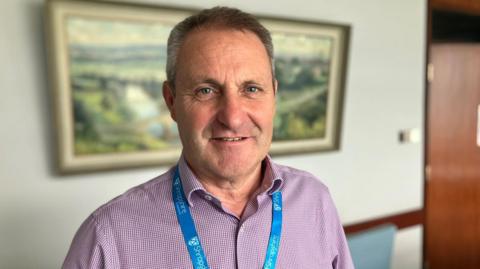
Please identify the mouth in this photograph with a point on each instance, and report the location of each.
(229, 139)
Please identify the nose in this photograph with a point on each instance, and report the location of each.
(231, 113)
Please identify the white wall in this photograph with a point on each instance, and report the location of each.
(371, 175)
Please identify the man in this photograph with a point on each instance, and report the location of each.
(226, 204)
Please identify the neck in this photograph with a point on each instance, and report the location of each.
(234, 193)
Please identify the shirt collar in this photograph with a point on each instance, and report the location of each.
(189, 180)
(271, 181)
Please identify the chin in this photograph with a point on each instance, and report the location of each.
(237, 165)
(230, 173)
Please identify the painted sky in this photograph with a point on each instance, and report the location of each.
(94, 31)
(302, 45)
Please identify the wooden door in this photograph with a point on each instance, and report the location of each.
(452, 228)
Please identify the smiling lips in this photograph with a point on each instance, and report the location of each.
(229, 139)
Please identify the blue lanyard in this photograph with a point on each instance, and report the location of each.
(192, 240)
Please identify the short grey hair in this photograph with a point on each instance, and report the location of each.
(221, 17)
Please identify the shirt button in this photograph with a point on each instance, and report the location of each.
(208, 197)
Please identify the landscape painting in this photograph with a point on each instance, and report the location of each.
(107, 65)
(310, 66)
(302, 66)
(116, 73)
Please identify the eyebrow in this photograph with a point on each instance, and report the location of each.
(249, 82)
(211, 81)
(220, 85)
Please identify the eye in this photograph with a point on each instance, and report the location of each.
(205, 91)
(252, 89)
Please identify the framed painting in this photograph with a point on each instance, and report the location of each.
(310, 67)
(107, 65)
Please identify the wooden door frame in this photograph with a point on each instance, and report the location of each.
(463, 8)
(425, 128)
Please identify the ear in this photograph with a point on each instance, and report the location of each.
(275, 86)
(169, 98)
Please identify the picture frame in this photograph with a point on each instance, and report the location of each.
(107, 65)
(314, 57)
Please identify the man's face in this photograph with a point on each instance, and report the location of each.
(224, 103)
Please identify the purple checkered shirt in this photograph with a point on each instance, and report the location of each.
(139, 229)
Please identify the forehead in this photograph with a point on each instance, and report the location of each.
(216, 51)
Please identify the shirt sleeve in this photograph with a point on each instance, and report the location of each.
(343, 259)
(91, 249)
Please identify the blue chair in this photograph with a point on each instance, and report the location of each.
(372, 248)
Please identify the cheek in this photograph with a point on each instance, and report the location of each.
(195, 119)
(200, 122)
(265, 115)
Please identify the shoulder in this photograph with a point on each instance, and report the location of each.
(138, 200)
(299, 179)
(303, 188)
(117, 222)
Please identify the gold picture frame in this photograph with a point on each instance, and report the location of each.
(107, 64)
(310, 66)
